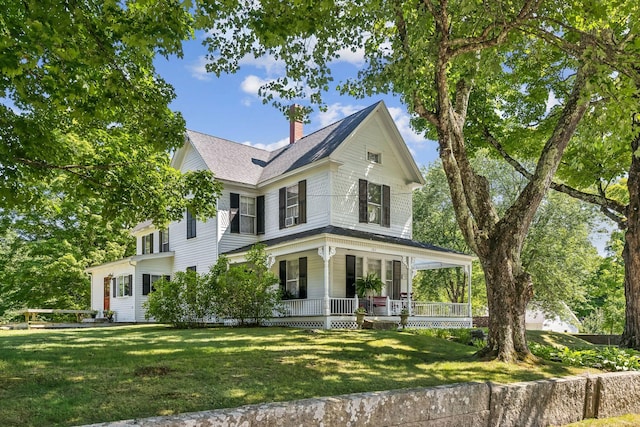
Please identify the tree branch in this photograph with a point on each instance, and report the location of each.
(485, 40)
(613, 209)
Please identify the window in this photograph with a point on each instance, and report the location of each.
(291, 217)
(164, 240)
(122, 285)
(293, 278)
(374, 157)
(388, 276)
(247, 215)
(374, 266)
(359, 268)
(374, 203)
(147, 244)
(191, 225)
(191, 268)
(148, 280)
(293, 205)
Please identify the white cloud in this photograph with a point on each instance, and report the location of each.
(403, 122)
(268, 63)
(198, 69)
(336, 112)
(347, 55)
(269, 147)
(251, 84)
(552, 101)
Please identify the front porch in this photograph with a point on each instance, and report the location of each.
(318, 271)
(313, 313)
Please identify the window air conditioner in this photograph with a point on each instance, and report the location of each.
(289, 221)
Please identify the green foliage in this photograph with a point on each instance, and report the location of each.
(83, 113)
(603, 308)
(246, 292)
(186, 301)
(605, 358)
(43, 254)
(369, 285)
(557, 251)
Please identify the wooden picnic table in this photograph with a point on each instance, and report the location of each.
(30, 313)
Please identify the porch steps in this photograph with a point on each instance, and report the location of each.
(380, 324)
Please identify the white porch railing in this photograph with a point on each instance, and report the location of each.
(347, 306)
(440, 309)
(302, 307)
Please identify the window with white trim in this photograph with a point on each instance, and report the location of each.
(374, 157)
(291, 217)
(374, 203)
(359, 268)
(147, 244)
(388, 276)
(293, 278)
(148, 280)
(164, 240)
(374, 266)
(247, 215)
(122, 285)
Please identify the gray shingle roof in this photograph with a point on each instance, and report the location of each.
(236, 162)
(228, 160)
(340, 231)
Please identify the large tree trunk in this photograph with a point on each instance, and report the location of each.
(631, 253)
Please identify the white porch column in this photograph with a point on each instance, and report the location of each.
(409, 262)
(326, 252)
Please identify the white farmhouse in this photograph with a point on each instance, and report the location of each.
(331, 207)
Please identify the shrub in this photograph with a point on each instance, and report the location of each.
(246, 292)
(605, 358)
(187, 301)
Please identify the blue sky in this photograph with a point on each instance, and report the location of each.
(229, 106)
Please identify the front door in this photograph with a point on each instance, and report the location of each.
(107, 293)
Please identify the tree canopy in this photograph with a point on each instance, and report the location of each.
(468, 72)
(557, 251)
(84, 114)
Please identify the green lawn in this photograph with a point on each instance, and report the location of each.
(68, 377)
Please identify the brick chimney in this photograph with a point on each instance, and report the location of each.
(295, 126)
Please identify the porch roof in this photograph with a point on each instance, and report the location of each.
(345, 232)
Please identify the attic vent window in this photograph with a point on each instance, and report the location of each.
(374, 157)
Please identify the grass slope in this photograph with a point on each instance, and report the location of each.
(70, 377)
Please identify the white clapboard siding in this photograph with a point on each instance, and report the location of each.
(227, 240)
(318, 204)
(370, 137)
(158, 267)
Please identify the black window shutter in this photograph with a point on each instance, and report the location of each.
(386, 206)
(362, 201)
(234, 213)
(151, 243)
(351, 277)
(191, 225)
(160, 239)
(397, 275)
(302, 277)
(302, 202)
(146, 284)
(260, 215)
(114, 285)
(129, 291)
(282, 206)
(283, 275)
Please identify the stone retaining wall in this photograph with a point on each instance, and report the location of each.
(537, 403)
